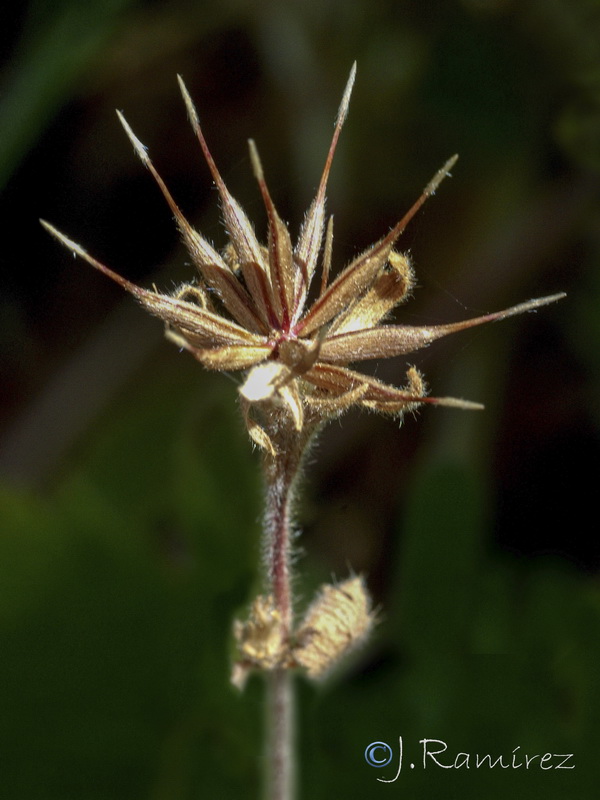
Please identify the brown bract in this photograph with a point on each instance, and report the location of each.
(249, 308)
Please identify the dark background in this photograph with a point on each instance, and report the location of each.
(130, 504)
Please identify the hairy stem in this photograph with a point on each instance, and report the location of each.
(281, 471)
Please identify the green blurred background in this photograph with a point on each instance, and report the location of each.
(130, 501)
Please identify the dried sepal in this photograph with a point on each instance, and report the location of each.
(256, 431)
(309, 241)
(338, 382)
(241, 232)
(210, 264)
(248, 251)
(234, 296)
(353, 281)
(257, 281)
(327, 254)
(280, 256)
(339, 620)
(230, 357)
(331, 406)
(202, 328)
(290, 395)
(387, 341)
(390, 288)
(359, 275)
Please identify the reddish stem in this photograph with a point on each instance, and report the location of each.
(280, 473)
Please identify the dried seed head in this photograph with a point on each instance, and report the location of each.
(339, 620)
(297, 354)
(261, 642)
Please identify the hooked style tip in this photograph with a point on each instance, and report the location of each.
(64, 240)
(140, 149)
(77, 250)
(339, 124)
(256, 162)
(195, 122)
(343, 109)
(455, 402)
(439, 176)
(532, 305)
(437, 331)
(189, 105)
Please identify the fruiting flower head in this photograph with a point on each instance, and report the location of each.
(249, 309)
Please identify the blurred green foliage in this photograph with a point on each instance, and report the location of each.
(484, 657)
(116, 598)
(123, 563)
(57, 43)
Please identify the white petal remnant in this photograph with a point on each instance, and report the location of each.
(263, 381)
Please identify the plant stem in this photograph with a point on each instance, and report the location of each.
(280, 472)
(281, 753)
